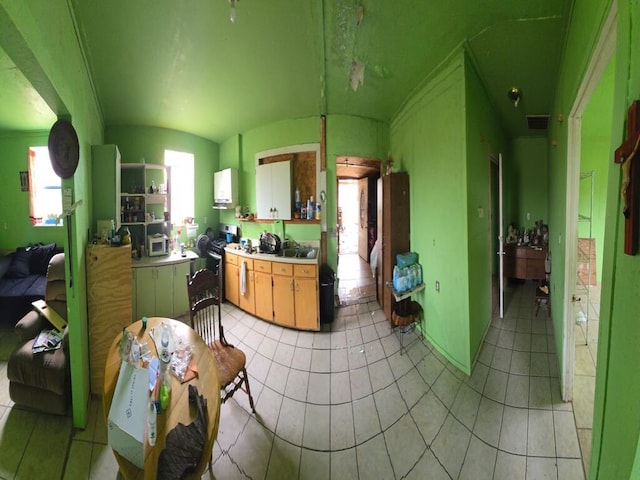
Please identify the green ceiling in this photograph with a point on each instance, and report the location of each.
(185, 66)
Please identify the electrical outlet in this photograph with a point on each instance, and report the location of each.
(206, 220)
(528, 215)
(437, 286)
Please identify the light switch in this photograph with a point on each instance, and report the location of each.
(480, 212)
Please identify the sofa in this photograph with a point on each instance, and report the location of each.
(42, 381)
(23, 279)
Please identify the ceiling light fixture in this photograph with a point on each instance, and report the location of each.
(232, 14)
(515, 95)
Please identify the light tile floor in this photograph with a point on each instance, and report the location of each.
(586, 356)
(344, 403)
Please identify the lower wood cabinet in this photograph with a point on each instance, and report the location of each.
(280, 292)
(306, 296)
(246, 288)
(263, 292)
(231, 279)
(283, 295)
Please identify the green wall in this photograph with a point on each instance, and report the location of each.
(15, 224)
(428, 142)
(149, 143)
(526, 182)
(484, 139)
(346, 135)
(50, 56)
(616, 422)
(595, 155)
(617, 414)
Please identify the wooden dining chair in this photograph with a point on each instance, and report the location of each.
(204, 291)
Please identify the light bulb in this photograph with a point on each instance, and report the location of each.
(232, 15)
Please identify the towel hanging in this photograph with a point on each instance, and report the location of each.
(243, 277)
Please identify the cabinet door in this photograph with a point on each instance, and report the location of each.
(231, 283)
(281, 193)
(273, 190)
(145, 292)
(246, 299)
(264, 200)
(164, 291)
(180, 297)
(283, 301)
(306, 303)
(263, 295)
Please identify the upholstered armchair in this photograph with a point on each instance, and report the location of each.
(42, 381)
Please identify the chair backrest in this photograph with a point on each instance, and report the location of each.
(56, 289)
(203, 290)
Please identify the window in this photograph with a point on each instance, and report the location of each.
(45, 189)
(182, 175)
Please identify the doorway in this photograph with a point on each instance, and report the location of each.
(357, 228)
(587, 167)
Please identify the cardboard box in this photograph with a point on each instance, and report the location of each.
(127, 415)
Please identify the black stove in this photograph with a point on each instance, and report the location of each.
(213, 249)
(216, 246)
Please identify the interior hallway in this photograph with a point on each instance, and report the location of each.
(343, 403)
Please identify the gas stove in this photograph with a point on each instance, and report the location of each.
(217, 246)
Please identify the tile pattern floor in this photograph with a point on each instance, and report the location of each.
(343, 403)
(586, 356)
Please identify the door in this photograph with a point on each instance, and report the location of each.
(363, 218)
(145, 292)
(283, 306)
(180, 297)
(500, 239)
(306, 301)
(263, 295)
(231, 283)
(164, 291)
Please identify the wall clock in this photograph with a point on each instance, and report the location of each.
(64, 150)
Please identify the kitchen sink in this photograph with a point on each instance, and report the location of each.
(298, 253)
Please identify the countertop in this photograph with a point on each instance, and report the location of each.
(271, 257)
(162, 260)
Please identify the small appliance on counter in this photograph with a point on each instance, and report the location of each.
(157, 245)
(270, 243)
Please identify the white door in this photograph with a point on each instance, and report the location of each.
(281, 194)
(264, 201)
(500, 238)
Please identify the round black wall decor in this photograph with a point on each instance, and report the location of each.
(64, 150)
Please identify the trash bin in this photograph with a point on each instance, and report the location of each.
(327, 279)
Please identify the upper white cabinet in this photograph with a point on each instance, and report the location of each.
(273, 190)
(225, 188)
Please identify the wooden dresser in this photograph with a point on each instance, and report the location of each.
(523, 262)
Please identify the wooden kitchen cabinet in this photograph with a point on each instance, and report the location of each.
(246, 299)
(108, 303)
(280, 292)
(283, 295)
(273, 190)
(306, 296)
(263, 289)
(231, 279)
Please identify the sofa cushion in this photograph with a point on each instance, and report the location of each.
(45, 370)
(5, 263)
(40, 257)
(19, 267)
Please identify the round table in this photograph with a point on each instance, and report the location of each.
(178, 411)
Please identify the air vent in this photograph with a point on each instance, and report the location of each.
(538, 122)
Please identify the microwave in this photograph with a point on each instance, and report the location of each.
(157, 245)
